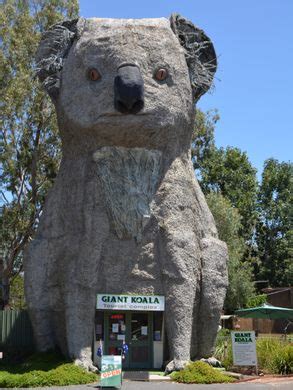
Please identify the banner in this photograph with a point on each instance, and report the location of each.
(111, 371)
(131, 302)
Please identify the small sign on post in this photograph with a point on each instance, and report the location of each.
(111, 371)
(244, 349)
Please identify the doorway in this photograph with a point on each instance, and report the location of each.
(136, 330)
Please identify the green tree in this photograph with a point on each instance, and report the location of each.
(228, 221)
(229, 172)
(274, 234)
(225, 170)
(17, 299)
(30, 145)
(203, 137)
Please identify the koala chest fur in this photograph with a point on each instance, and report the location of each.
(126, 214)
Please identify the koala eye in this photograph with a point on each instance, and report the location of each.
(94, 74)
(161, 74)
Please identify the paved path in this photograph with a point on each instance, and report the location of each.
(288, 385)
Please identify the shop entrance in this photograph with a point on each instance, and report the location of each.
(136, 329)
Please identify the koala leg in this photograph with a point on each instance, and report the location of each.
(214, 282)
(81, 270)
(36, 262)
(80, 313)
(179, 306)
(178, 264)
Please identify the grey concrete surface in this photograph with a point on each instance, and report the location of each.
(175, 386)
(170, 386)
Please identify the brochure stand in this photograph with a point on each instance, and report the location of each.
(111, 368)
(111, 371)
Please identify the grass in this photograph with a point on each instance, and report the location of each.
(160, 373)
(275, 356)
(40, 369)
(200, 372)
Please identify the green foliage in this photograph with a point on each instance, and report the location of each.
(282, 361)
(203, 139)
(256, 300)
(266, 210)
(29, 143)
(274, 356)
(229, 172)
(17, 299)
(224, 170)
(200, 372)
(228, 222)
(223, 333)
(265, 348)
(274, 234)
(223, 348)
(44, 370)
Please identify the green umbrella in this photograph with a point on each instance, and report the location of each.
(266, 311)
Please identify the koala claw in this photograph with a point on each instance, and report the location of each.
(88, 366)
(175, 365)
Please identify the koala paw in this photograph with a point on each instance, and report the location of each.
(86, 364)
(212, 361)
(175, 365)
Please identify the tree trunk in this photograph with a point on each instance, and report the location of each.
(5, 286)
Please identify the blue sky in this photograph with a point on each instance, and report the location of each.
(254, 87)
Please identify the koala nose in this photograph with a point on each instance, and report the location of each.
(128, 89)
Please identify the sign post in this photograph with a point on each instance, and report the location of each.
(244, 349)
(111, 371)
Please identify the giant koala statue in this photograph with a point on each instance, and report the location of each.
(125, 214)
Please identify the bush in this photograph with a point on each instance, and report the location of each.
(282, 361)
(44, 370)
(257, 300)
(265, 347)
(200, 372)
(223, 349)
(274, 356)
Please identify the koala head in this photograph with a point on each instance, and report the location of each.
(129, 82)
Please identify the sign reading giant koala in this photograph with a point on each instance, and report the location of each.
(126, 214)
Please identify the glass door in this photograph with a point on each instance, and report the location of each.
(140, 344)
(136, 330)
(116, 334)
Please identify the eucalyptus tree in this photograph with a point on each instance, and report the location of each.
(274, 233)
(228, 221)
(227, 171)
(30, 144)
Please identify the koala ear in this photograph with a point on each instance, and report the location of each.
(53, 49)
(199, 52)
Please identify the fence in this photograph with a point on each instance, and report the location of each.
(15, 330)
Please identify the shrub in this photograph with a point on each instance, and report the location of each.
(281, 361)
(265, 347)
(200, 372)
(257, 300)
(223, 349)
(274, 356)
(44, 370)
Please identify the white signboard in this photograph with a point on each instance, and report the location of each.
(131, 302)
(244, 350)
